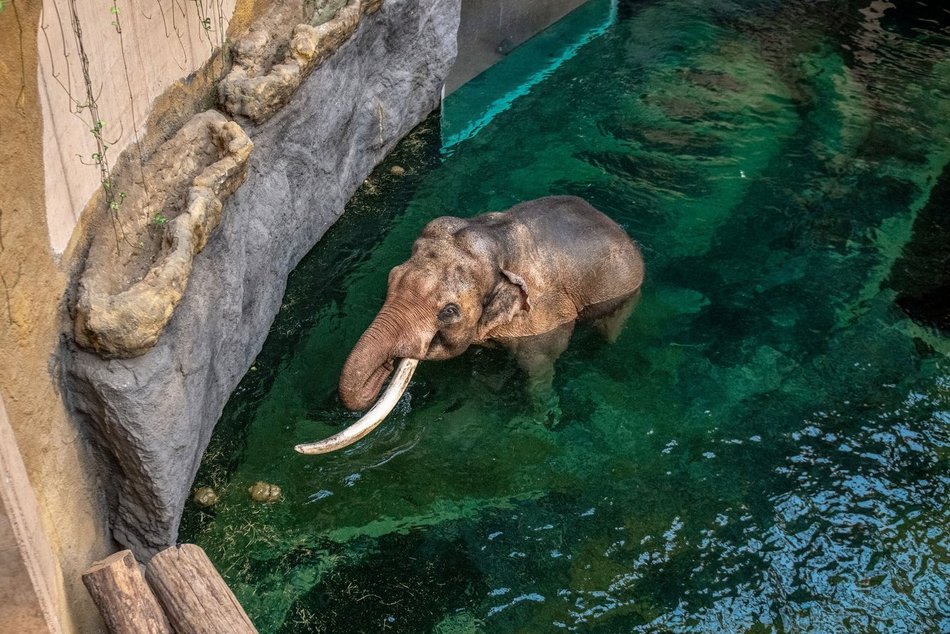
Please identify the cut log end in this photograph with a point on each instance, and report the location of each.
(124, 599)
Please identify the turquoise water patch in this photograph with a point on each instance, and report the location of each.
(496, 90)
(765, 448)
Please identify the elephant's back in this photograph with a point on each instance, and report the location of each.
(592, 254)
(569, 220)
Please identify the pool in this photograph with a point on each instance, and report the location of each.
(765, 448)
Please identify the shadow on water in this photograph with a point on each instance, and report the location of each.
(766, 446)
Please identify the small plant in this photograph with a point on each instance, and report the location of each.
(115, 23)
(114, 198)
(160, 219)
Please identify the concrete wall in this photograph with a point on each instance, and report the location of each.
(153, 414)
(29, 592)
(490, 29)
(136, 50)
(32, 284)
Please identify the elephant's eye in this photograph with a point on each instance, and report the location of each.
(449, 313)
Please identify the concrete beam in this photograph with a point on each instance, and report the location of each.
(28, 570)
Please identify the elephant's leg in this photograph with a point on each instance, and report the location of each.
(610, 324)
(536, 356)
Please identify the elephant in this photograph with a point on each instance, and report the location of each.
(519, 279)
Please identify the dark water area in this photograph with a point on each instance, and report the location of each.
(766, 448)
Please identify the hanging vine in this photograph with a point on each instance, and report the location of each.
(117, 23)
(83, 94)
(100, 156)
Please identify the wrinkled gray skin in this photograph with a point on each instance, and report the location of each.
(520, 279)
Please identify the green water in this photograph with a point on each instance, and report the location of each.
(767, 446)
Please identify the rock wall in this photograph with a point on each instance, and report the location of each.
(152, 416)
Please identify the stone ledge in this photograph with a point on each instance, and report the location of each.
(258, 85)
(121, 313)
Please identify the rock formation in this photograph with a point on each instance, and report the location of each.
(260, 83)
(128, 291)
(151, 416)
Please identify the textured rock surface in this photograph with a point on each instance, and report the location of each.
(256, 87)
(152, 415)
(120, 312)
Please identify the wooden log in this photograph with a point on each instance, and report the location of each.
(195, 597)
(124, 599)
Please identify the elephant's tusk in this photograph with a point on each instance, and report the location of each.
(372, 418)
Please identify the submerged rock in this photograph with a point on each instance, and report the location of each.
(264, 492)
(923, 288)
(205, 496)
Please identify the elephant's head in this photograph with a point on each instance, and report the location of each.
(452, 292)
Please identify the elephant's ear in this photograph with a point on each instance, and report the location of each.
(507, 298)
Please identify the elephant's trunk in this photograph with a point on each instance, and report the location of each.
(373, 417)
(365, 370)
(388, 338)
